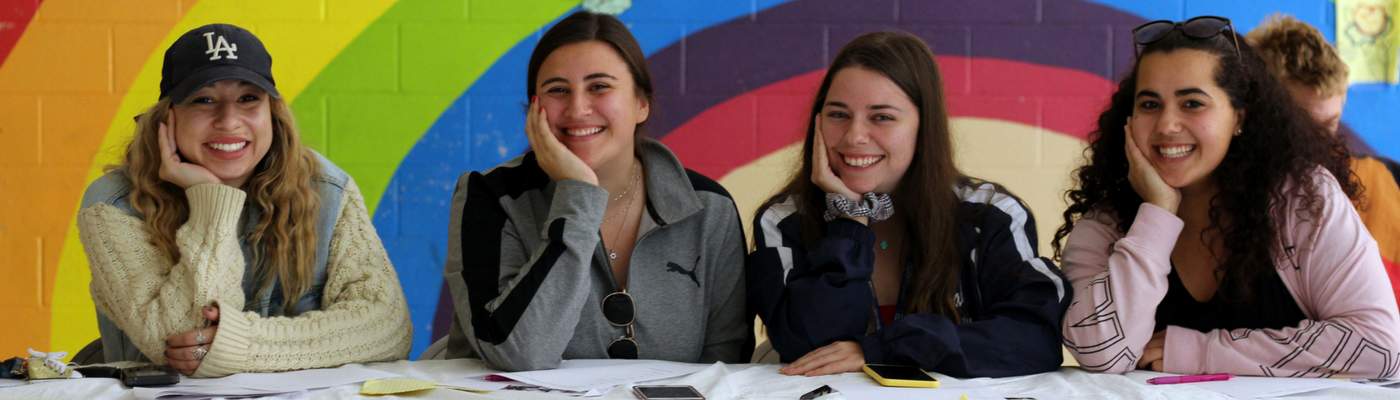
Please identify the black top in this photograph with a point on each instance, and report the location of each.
(1273, 308)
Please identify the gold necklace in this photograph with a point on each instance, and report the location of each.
(626, 210)
(630, 185)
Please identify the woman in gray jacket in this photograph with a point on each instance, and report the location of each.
(597, 243)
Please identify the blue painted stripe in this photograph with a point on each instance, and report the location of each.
(489, 119)
(1369, 110)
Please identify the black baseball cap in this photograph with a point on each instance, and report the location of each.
(213, 53)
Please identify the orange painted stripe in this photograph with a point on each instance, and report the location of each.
(66, 103)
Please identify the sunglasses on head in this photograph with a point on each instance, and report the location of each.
(1199, 28)
(620, 311)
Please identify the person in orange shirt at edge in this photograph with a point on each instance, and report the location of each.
(1316, 76)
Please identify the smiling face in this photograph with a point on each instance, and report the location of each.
(870, 128)
(591, 101)
(1182, 121)
(226, 127)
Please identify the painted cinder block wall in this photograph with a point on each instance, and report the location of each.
(407, 95)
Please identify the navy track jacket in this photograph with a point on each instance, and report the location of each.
(1010, 299)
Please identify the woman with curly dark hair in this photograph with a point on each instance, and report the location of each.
(1211, 229)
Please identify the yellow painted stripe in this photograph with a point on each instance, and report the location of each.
(283, 28)
(975, 139)
(65, 67)
(1049, 156)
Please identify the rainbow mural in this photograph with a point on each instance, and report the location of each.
(406, 95)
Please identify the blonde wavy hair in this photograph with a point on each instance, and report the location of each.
(281, 186)
(1296, 52)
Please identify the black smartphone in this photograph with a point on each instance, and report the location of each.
(100, 371)
(149, 376)
(667, 392)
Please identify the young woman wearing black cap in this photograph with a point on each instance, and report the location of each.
(221, 244)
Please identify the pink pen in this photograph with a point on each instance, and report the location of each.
(1168, 380)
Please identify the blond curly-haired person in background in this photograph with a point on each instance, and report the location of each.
(1316, 77)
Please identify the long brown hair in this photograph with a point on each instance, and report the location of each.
(281, 186)
(924, 199)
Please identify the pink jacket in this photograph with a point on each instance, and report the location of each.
(1331, 267)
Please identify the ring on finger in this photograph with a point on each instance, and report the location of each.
(199, 336)
(198, 352)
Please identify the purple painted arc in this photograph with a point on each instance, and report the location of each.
(715, 69)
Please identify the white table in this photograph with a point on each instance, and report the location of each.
(754, 381)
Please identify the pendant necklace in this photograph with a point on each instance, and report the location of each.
(626, 210)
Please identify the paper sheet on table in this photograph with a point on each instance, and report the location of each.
(264, 383)
(602, 375)
(477, 383)
(383, 386)
(860, 392)
(178, 394)
(1247, 387)
(11, 382)
(1385, 383)
(949, 388)
(376, 387)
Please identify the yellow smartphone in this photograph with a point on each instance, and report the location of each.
(900, 376)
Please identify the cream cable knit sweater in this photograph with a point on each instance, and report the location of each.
(363, 316)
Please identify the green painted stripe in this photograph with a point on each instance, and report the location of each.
(368, 107)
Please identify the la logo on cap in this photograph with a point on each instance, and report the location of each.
(221, 45)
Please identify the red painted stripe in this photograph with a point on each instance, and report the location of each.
(739, 130)
(14, 18)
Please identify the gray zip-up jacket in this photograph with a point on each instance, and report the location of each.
(527, 270)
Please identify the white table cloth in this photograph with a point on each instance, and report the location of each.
(756, 381)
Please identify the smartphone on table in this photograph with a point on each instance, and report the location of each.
(149, 375)
(900, 376)
(667, 392)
